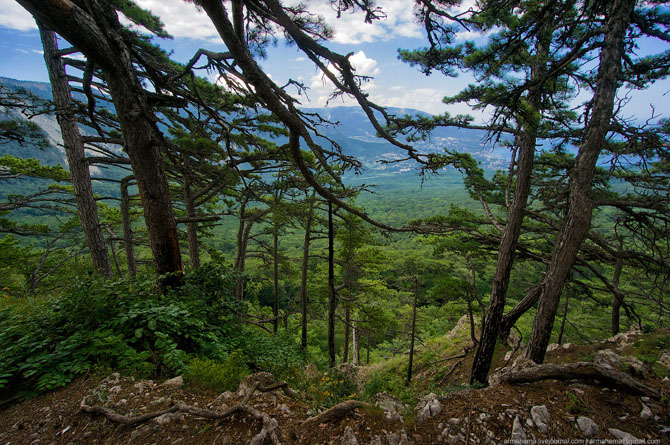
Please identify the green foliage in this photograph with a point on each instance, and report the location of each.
(331, 388)
(123, 325)
(391, 382)
(575, 405)
(218, 376)
(33, 168)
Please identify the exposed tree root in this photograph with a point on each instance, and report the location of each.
(268, 430)
(570, 371)
(337, 411)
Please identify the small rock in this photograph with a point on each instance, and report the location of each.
(665, 359)
(283, 408)
(484, 417)
(428, 407)
(508, 355)
(376, 441)
(622, 435)
(388, 403)
(454, 421)
(567, 346)
(587, 426)
(348, 438)
(169, 417)
(541, 417)
(646, 412)
(399, 438)
(553, 347)
(456, 438)
(517, 430)
(177, 381)
(158, 400)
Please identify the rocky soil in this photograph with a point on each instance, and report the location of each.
(122, 410)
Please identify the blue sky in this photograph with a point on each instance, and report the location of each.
(374, 48)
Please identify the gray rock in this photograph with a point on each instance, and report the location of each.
(399, 438)
(456, 438)
(621, 435)
(376, 441)
(169, 417)
(646, 412)
(454, 421)
(541, 417)
(428, 407)
(388, 403)
(177, 381)
(665, 359)
(567, 346)
(484, 417)
(517, 430)
(553, 347)
(348, 438)
(587, 426)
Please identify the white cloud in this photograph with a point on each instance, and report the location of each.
(182, 19)
(350, 28)
(13, 16)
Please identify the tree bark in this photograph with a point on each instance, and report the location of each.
(579, 370)
(275, 274)
(412, 333)
(526, 140)
(618, 297)
(127, 226)
(305, 270)
(99, 37)
(191, 225)
(580, 204)
(76, 155)
(347, 330)
(331, 286)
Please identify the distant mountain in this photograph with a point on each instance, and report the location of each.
(357, 137)
(354, 134)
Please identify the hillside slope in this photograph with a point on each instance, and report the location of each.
(548, 409)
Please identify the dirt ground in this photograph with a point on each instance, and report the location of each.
(467, 415)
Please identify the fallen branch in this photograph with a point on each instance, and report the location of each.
(268, 430)
(337, 411)
(453, 368)
(445, 359)
(570, 371)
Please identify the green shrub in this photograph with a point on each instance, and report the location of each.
(123, 325)
(331, 388)
(224, 376)
(390, 382)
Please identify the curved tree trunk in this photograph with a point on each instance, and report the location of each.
(97, 34)
(76, 156)
(578, 218)
(526, 140)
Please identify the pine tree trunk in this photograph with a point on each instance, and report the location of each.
(275, 276)
(347, 330)
(354, 344)
(526, 140)
(127, 226)
(305, 270)
(412, 333)
(578, 219)
(331, 286)
(191, 225)
(76, 156)
(98, 35)
(618, 296)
